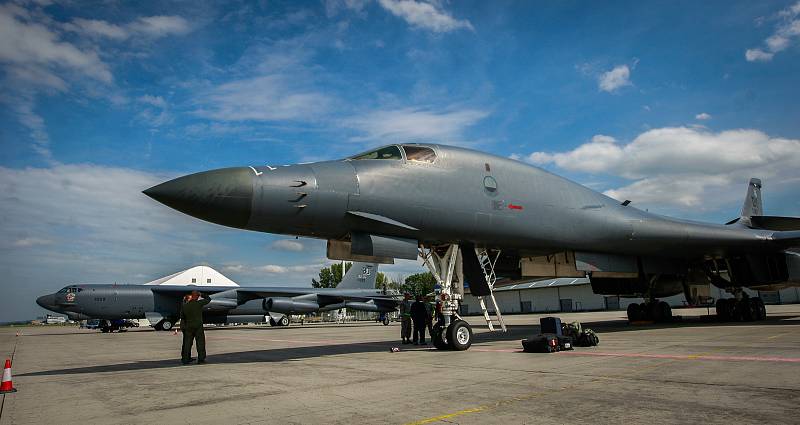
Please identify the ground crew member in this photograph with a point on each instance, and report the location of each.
(192, 328)
(405, 318)
(429, 315)
(419, 315)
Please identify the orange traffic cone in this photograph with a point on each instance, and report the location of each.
(6, 386)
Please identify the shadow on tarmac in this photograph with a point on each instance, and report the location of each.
(517, 332)
(257, 356)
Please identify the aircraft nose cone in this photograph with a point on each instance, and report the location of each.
(221, 196)
(45, 301)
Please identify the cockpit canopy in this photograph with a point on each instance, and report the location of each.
(416, 153)
(70, 290)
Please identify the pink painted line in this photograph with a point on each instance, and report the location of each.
(687, 357)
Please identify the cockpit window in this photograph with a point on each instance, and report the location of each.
(70, 290)
(386, 152)
(420, 154)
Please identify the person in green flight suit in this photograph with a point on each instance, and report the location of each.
(192, 328)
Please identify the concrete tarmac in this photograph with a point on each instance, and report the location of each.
(695, 371)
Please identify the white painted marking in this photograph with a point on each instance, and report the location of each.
(271, 168)
(256, 172)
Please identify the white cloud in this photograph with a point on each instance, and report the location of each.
(411, 124)
(288, 245)
(786, 31)
(758, 55)
(272, 268)
(264, 98)
(702, 116)
(592, 157)
(38, 58)
(94, 204)
(97, 28)
(683, 166)
(160, 26)
(156, 101)
(157, 114)
(276, 269)
(424, 15)
(26, 43)
(28, 242)
(149, 27)
(615, 79)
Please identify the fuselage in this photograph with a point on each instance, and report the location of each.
(451, 195)
(109, 301)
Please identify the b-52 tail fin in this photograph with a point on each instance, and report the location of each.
(360, 276)
(752, 203)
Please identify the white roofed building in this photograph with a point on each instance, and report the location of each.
(198, 276)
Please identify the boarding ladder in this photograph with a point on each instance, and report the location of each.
(487, 264)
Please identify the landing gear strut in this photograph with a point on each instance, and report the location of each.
(450, 332)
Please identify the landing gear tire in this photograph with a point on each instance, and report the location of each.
(723, 314)
(284, 321)
(459, 335)
(385, 321)
(665, 311)
(761, 308)
(439, 337)
(634, 312)
(272, 322)
(166, 324)
(654, 310)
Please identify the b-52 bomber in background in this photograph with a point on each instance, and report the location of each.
(160, 303)
(483, 219)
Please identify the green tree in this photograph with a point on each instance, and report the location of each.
(419, 284)
(383, 281)
(330, 277)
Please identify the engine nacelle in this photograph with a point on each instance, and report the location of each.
(221, 304)
(289, 305)
(363, 306)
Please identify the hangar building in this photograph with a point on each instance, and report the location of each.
(575, 294)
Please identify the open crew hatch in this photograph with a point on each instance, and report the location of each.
(416, 153)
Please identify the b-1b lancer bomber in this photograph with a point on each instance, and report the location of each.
(481, 219)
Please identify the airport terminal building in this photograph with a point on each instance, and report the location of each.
(575, 294)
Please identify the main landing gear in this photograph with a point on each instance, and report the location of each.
(743, 309)
(653, 311)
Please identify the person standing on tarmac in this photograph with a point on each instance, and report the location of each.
(429, 315)
(192, 328)
(405, 318)
(419, 314)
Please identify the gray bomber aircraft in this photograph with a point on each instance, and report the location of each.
(160, 304)
(483, 219)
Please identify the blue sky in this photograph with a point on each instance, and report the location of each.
(673, 105)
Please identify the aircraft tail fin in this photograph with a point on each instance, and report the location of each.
(753, 213)
(752, 203)
(360, 276)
